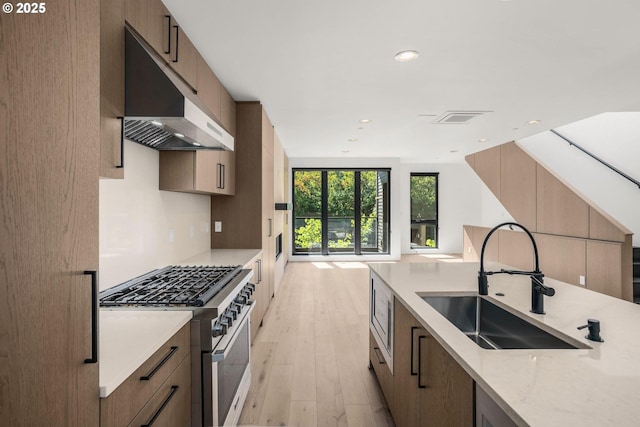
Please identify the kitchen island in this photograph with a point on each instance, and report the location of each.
(594, 386)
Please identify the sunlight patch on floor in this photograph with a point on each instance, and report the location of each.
(452, 260)
(354, 264)
(437, 256)
(322, 265)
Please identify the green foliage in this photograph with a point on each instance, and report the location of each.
(308, 236)
(423, 197)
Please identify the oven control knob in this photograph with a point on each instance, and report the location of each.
(234, 309)
(218, 330)
(241, 299)
(225, 322)
(251, 287)
(227, 319)
(246, 294)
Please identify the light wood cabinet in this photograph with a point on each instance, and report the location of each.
(247, 218)
(227, 112)
(200, 171)
(164, 377)
(430, 387)
(209, 89)
(153, 22)
(405, 408)
(50, 91)
(111, 87)
(260, 294)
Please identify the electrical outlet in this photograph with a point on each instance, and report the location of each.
(217, 226)
(581, 280)
(171, 235)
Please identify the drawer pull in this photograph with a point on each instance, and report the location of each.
(375, 351)
(174, 388)
(413, 328)
(420, 338)
(159, 365)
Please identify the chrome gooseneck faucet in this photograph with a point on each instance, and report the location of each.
(538, 289)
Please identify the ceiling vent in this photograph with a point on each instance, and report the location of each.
(457, 117)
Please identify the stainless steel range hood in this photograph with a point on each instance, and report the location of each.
(161, 110)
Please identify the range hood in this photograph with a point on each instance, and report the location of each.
(161, 110)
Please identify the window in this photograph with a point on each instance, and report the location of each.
(424, 210)
(341, 211)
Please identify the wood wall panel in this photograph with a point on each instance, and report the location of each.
(518, 184)
(562, 258)
(515, 249)
(559, 209)
(603, 227)
(487, 166)
(604, 272)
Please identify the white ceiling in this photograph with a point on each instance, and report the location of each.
(320, 66)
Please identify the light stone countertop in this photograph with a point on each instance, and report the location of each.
(129, 337)
(222, 257)
(586, 387)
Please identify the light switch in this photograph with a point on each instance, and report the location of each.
(217, 226)
(581, 279)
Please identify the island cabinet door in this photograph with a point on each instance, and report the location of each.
(406, 396)
(446, 390)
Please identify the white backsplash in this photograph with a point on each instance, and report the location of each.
(143, 228)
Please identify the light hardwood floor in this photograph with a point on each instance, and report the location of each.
(311, 356)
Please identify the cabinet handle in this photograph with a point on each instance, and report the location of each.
(375, 351)
(155, 416)
(270, 227)
(224, 176)
(413, 328)
(168, 49)
(259, 262)
(94, 316)
(159, 365)
(121, 165)
(420, 338)
(219, 183)
(175, 59)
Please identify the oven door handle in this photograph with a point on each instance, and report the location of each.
(220, 353)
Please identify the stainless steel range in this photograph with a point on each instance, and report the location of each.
(220, 298)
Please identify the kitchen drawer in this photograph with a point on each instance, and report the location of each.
(119, 408)
(171, 405)
(381, 368)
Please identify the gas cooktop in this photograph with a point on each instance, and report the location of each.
(171, 286)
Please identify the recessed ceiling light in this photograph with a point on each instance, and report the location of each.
(179, 135)
(453, 151)
(483, 139)
(406, 55)
(533, 122)
(360, 128)
(345, 151)
(352, 139)
(365, 120)
(157, 123)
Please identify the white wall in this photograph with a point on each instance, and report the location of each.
(462, 200)
(615, 137)
(136, 220)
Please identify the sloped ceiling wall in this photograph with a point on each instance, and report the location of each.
(614, 137)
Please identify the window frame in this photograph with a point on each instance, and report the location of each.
(357, 244)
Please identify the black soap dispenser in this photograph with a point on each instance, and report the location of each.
(594, 330)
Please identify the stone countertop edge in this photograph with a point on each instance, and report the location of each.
(129, 337)
(222, 257)
(591, 387)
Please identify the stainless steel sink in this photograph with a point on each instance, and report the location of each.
(493, 327)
